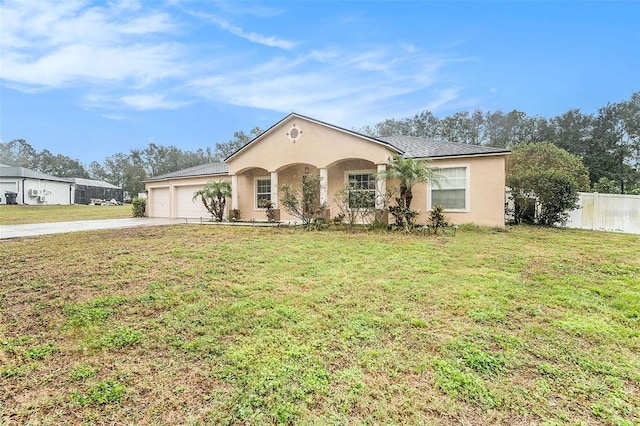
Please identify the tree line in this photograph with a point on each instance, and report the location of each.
(608, 142)
(125, 170)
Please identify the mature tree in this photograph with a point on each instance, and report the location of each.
(59, 165)
(214, 197)
(614, 151)
(133, 179)
(571, 131)
(240, 139)
(97, 172)
(462, 128)
(508, 130)
(549, 175)
(18, 153)
(407, 172)
(157, 159)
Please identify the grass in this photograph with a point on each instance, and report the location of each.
(229, 325)
(19, 215)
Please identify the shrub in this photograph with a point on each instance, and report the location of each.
(234, 215)
(138, 207)
(304, 202)
(545, 175)
(437, 219)
(269, 209)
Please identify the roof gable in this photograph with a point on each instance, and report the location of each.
(273, 128)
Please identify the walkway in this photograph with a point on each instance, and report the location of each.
(32, 230)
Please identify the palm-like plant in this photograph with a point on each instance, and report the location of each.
(408, 172)
(214, 197)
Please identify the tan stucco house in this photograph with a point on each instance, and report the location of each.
(471, 188)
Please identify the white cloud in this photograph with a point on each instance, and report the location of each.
(340, 87)
(270, 41)
(125, 56)
(151, 101)
(49, 45)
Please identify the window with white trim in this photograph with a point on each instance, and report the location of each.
(263, 191)
(362, 189)
(451, 189)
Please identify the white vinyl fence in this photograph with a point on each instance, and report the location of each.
(607, 212)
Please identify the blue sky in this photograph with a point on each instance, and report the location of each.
(89, 79)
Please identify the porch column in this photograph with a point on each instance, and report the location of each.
(234, 192)
(324, 184)
(274, 189)
(381, 187)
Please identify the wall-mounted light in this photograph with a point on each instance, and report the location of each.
(306, 170)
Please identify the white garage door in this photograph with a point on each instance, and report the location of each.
(185, 206)
(159, 202)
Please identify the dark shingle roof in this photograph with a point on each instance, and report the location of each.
(201, 170)
(23, 172)
(429, 148)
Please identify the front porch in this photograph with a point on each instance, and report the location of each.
(253, 186)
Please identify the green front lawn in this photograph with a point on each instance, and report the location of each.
(17, 215)
(233, 325)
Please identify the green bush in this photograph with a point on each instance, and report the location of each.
(437, 219)
(138, 207)
(543, 174)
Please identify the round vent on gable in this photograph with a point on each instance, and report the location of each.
(294, 133)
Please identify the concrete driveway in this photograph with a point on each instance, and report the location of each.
(32, 230)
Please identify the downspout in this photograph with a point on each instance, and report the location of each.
(70, 185)
(23, 181)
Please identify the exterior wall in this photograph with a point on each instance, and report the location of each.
(49, 192)
(173, 198)
(607, 212)
(486, 186)
(318, 145)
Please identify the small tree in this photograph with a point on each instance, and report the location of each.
(550, 176)
(408, 172)
(355, 206)
(341, 199)
(303, 202)
(214, 197)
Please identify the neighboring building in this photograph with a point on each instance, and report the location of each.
(472, 189)
(86, 189)
(36, 188)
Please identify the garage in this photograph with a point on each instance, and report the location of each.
(159, 202)
(171, 195)
(185, 206)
